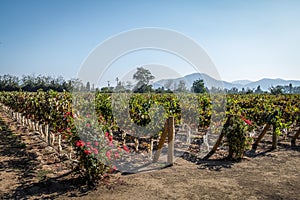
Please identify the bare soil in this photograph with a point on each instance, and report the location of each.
(29, 169)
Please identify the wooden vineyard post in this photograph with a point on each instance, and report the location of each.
(53, 138)
(23, 120)
(169, 131)
(136, 144)
(48, 135)
(274, 140)
(161, 142)
(171, 136)
(41, 129)
(293, 141)
(150, 147)
(37, 126)
(59, 143)
(266, 128)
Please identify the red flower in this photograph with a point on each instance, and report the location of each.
(108, 155)
(80, 143)
(247, 121)
(88, 125)
(67, 114)
(96, 144)
(110, 138)
(88, 115)
(111, 144)
(87, 151)
(126, 148)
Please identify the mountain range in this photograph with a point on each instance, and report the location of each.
(209, 81)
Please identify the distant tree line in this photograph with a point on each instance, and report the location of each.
(142, 76)
(32, 83)
(279, 89)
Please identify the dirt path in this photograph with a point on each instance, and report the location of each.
(26, 174)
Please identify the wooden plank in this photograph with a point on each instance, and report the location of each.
(293, 141)
(262, 134)
(214, 149)
(171, 137)
(274, 140)
(161, 142)
(217, 144)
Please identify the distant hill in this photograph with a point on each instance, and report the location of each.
(265, 83)
(241, 82)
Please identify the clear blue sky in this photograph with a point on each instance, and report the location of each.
(245, 39)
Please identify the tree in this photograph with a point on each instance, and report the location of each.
(258, 90)
(168, 84)
(181, 86)
(198, 86)
(290, 88)
(233, 90)
(243, 91)
(276, 90)
(143, 76)
(120, 87)
(88, 86)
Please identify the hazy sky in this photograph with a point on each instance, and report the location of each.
(245, 39)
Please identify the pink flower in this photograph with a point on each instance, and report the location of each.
(80, 143)
(95, 151)
(88, 144)
(108, 155)
(96, 143)
(117, 155)
(88, 125)
(106, 134)
(111, 144)
(88, 115)
(101, 118)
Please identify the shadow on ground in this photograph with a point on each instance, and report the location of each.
(16, 159)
